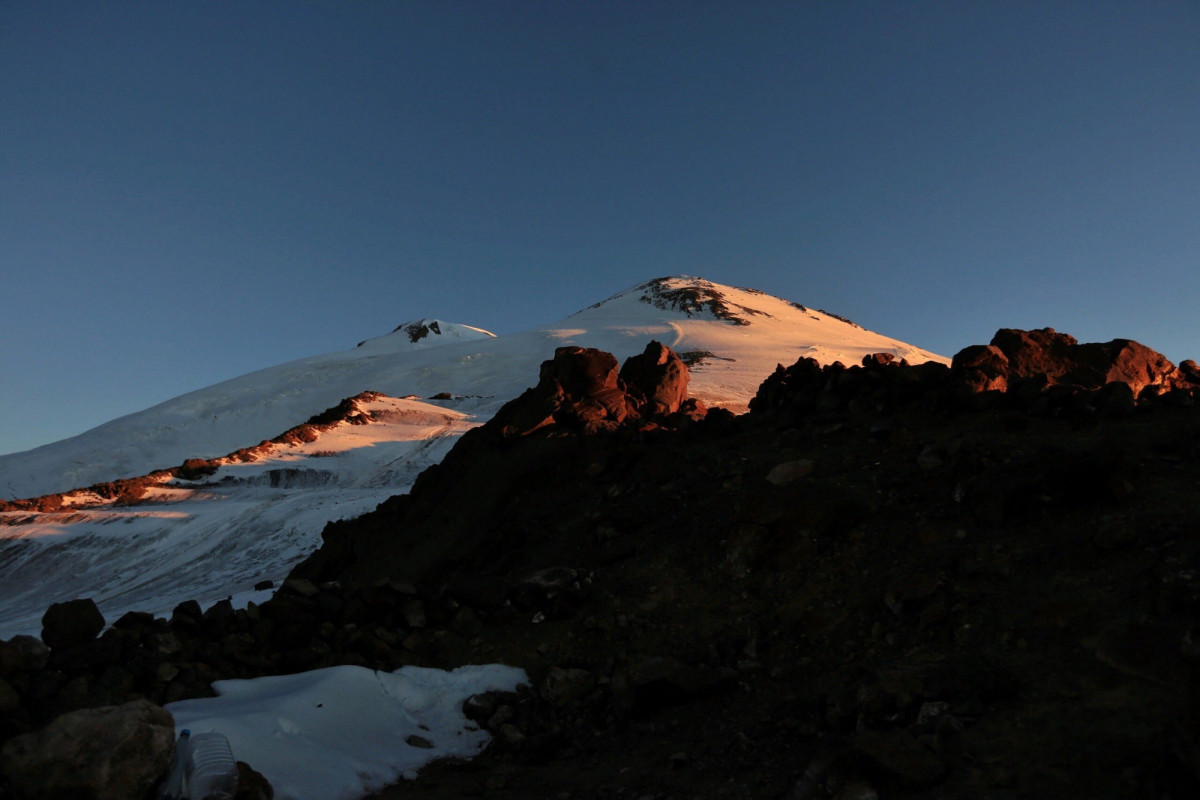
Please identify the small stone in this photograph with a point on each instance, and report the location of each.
(466, 623)
(419, 741)
(857, 791)
(167, 671)
(301, 586)
(252, 785)
(503, 714)
(789, 472)
(167, 643)
(511, 735)
(929, 714)
(413, 612)
(22, 654)
(479, 707)
(900, 755)
(10, 701)
(565, 686)
(930, 458)
(606, 533)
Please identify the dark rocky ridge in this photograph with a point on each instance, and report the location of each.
(880, 580)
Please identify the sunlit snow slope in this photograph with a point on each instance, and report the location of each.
(218, 540)
(219, 535)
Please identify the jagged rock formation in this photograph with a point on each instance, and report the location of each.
(1040, 371)
(581, 390)
(1040, 358)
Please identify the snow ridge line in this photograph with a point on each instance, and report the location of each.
(130, 491)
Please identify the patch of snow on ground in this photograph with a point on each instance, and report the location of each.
(343, 732)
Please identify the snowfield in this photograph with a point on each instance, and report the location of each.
(252, 521)
(219, 536)
(343, 732)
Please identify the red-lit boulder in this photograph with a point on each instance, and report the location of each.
(1044, 357)
(581, 389)
(658, 377)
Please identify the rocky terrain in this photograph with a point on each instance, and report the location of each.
(884, 581)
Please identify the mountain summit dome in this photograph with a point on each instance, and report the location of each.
(693, 297)
(427, 332)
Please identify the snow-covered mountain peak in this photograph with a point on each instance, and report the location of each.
(689, 296)
(426, 332)
(696, 298)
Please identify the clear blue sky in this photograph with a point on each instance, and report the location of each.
(194, 190)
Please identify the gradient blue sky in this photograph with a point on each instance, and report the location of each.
(194, 190)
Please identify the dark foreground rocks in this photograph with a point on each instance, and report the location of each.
(110, 753)
(885, 581)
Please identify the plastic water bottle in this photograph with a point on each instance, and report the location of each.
(210, 772)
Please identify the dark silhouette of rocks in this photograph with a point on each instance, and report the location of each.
(581, 390)
(71, 623)
(1038, 372)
